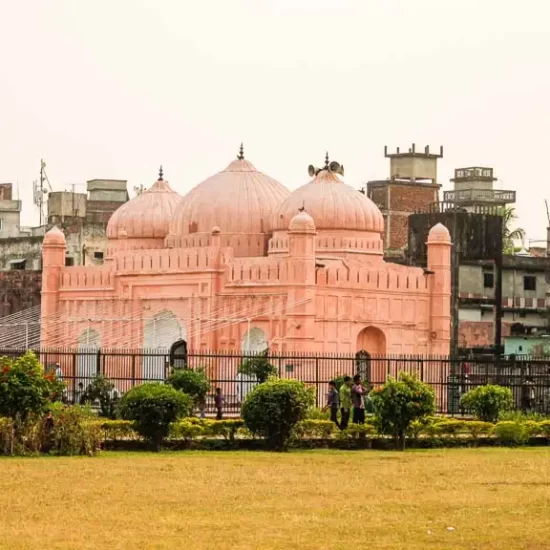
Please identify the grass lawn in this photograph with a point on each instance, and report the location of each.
(493, 498)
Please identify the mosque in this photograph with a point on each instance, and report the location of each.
(240, 263)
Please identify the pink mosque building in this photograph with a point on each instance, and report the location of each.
(240, 263)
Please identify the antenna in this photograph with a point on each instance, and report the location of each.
(547, 211)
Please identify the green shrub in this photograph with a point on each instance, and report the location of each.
(357, 432)
(533, 428)
(115, 430)
(314, 429)
(488, 402)
(451, 427)
(522, 416)
(318, 414)
(153, 407)
(258, 368)
(228, 429)
(545, 428)
(6, 436)
(25, 390)
(273, 409)
(186, 430)
(74, 433)
(509, 432)
(477, 428)
(100, 389)
(399, 402)
(191, 382)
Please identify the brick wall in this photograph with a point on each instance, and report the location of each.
(412, 197)
(479, 333)
(19, 290)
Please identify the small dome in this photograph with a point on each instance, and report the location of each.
(146, 216)
(302, 222)
(439, 233)
(332, 204)
(54, 237)
(240, 199)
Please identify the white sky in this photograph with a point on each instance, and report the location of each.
(113, 88)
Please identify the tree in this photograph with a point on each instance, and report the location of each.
(25, 390)
(509, 235)
(153, 407)
(258, 368)
(273, 409)
(400, 402)
(100, 389)
(192, 382)
(488, 402)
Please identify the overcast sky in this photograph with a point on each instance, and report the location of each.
(113, 88)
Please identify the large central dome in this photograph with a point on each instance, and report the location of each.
(239, 200)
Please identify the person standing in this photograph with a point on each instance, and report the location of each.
(345, 402)
(357, 396)
(332, 402)
(218, 402)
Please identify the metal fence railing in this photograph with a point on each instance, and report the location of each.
(527, 377)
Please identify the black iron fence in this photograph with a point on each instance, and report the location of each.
(527, 377)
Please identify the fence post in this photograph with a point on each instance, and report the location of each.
(98, 361)
(133, 369)
(74, 377)
(317, 380)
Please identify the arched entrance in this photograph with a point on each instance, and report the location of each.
(254, 342)
(371, 346)
(159, 334)
(89, 343)
(178, 355)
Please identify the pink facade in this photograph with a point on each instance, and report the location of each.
(240, 263)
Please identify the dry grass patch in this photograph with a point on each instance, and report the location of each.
(493, 498)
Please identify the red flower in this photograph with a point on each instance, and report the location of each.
(5, 369)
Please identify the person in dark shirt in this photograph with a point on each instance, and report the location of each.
(218, 402)
(332, 402)
(357, 396)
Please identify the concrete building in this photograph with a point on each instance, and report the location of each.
(474, 189)
(411, 187)
(10, 212)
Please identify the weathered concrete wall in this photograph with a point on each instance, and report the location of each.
(19, 290)
(21, 248)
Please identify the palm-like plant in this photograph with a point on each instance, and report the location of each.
(509, 235)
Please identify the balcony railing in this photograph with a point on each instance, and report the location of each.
(480, 195)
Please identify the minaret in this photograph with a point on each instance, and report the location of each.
(301, 280)
(53, 261)
(439, 273)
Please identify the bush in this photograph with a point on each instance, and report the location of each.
(74, 433)
(317, 414)
(153, 407)
(6, 436)
(258, 368)
(451, 427)
(226, 428)
(186, 430)
(477, 428)
(115, 430)
(488, 402)
(192, 382)
(25, 390)
(509, 432)
(399, 402)
(357, 432)
(545, 428)
(100, 389)
(314, 429)
(273, 409)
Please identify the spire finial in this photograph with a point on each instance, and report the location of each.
(326, 160)
(160, 173)
(240, 156)
(303, 207)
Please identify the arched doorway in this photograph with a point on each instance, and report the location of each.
(254, 342)
(178, 355)
(159, 334)
(89, 343)
(371, 346)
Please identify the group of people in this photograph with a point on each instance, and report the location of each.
(350, 397)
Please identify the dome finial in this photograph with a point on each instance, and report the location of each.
(240, 156)
(303, 207)
(326, 160)
(160, 173)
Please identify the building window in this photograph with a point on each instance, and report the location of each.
(98, 256)
(69, 261)
(529, 282)
(488, 279)
(18, 264)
